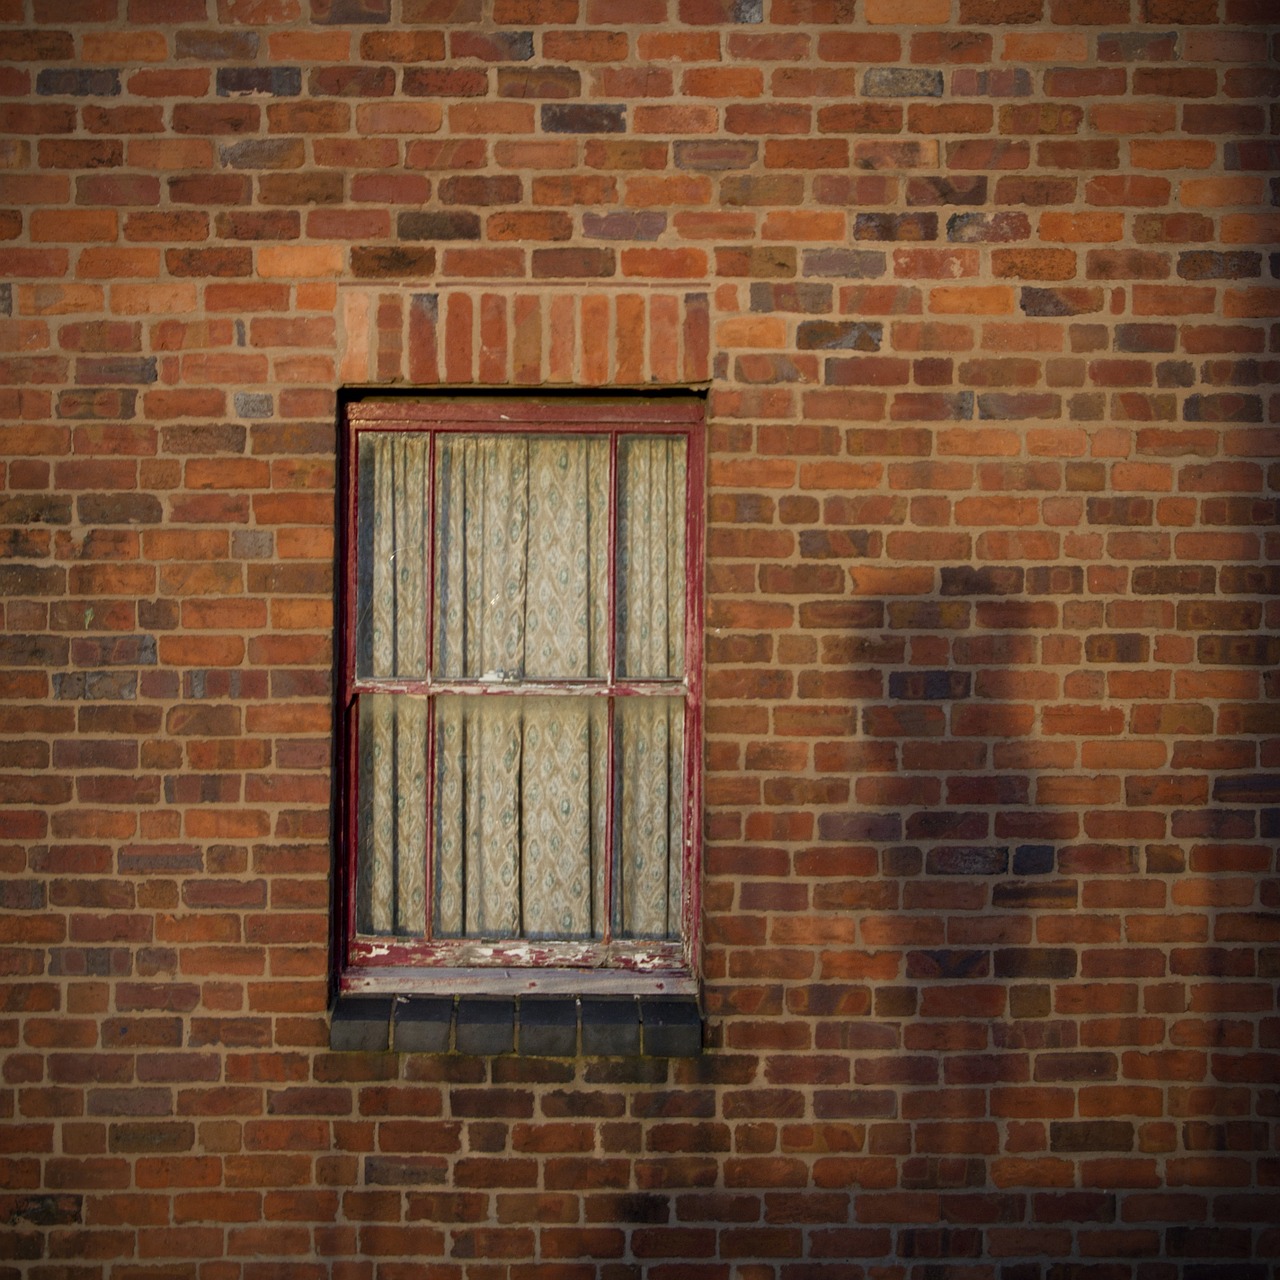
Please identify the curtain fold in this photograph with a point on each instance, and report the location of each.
(651, 556)
(650, 731)
(650, 808)
(392, 642)
(519, 817)
(522, 589)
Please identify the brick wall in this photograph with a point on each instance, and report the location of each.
(985, 294)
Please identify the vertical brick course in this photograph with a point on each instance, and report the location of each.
(984, 297)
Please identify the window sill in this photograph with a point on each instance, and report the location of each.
(564, 1026)
(388, 980)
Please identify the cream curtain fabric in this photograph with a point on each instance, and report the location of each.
(521, 587)
(650, 731)
(522, 593)
(392, 642)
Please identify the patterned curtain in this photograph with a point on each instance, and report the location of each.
(650, 731)
(522, 586)
(391, 641)
(521, 592)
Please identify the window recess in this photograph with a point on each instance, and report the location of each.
(520, 696)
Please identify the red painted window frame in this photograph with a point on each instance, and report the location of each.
(521, 966)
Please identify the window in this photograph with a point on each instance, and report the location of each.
(520, 695)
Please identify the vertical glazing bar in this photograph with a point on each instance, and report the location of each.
(611, 612)
(429, 594)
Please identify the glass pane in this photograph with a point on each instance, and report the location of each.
(519, 817)
(391, 819)
(391, 555)
(651, 556)
(649, 808)
(523, 540)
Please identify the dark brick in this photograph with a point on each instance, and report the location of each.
(455, 225)
(854, 264)
(36, 508)
(948, 824)
(902, 82)
(1124, 511)
(76, 82)
(928, 966)
(342, 12)
(97, 370)
(1061, 302)
(810, 299)
(1208, 264)
(1035, 962)
(391, 262)
(1251, 155)
(1222, 407)
(896, 226)
(276, 82)
(95, 686)
(405, 1171)
(1138, 46)
(263, 153)
(963, 580)
(644, 225)
(1249, 580)
(216, 47)
(44, 1210)
(998, 82)
(965, 190)
(929, 685)
(114, 651)
(32, 580)
(593, 117)
(1148, 337)
(1034, 859)
(967, 860)
(1091, 1135)
(839, 335)
(844, 827)
(837, 544)
(988, 228)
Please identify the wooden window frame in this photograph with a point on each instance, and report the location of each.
(366, 965)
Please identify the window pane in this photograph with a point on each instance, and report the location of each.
(651, 556)
(392, 816)
(520, 817)
(522, 537)
(391, 555)
(649, 790)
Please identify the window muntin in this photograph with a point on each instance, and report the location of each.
(520, 688)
